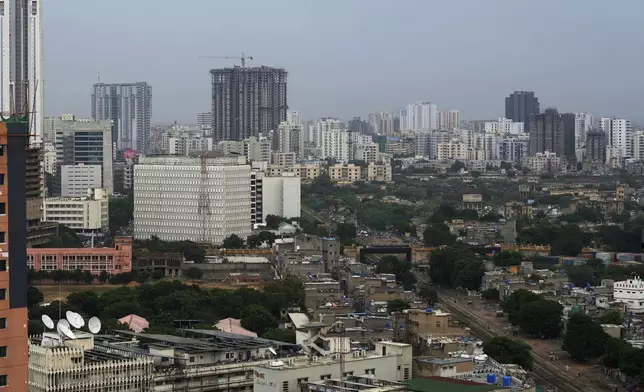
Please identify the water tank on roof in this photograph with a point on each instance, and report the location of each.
(507, 381)
(491, 378)
(429, 310)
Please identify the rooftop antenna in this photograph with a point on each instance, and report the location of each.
(63, 330)
(47, 321)
(75, 319)
(94, 325)
(98, 77)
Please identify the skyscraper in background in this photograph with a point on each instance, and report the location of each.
(247, 101)
(420, 116)
(449, 120)
(520, 105)
(553, 132)
(22, 89)
(129, 106)
(382, 123)
(583, 125)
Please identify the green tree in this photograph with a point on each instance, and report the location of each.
(103, 277)
(398, 267)
(397, 305)
(585, 339)
(273, 221)
(346, 232)
(233, 241)
(193, 273)
(491, 294)
(541, 318)
(514, 301)
(88, 278)
(569, 244)
(611, 317)
(438, 234)
(34, 297)
(612, 352)
(258, 319)
(506, 350)
(85, 302)
(631, 361)
(428, 293)
(507, 258)
(446, 266)
(280, 335)
(121, 212)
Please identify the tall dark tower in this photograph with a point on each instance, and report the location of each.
(520, 105)
(247, 101)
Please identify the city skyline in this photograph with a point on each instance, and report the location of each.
(320, 64)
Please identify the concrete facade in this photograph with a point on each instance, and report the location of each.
(281, 196)
(89, 213)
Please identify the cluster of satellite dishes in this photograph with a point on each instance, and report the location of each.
(72, 320)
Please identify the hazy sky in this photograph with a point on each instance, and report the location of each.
(352, 57)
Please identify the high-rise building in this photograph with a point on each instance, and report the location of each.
(595, 146)
(21, 67)
(520, 105)
(204, 119)
(449, 120)
(420, 116)
(290, 138)
(358, 124)
(335, 144)
(83, 142)
(583, 125)
(281, 196)
(382, 123)
(553, 132)
(619, 134)
(247, 101)
(199, 199)
(503, 126)
(129, 106)
(13, 260)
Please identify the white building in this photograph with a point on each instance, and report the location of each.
(420, 116)
(335, 144)
(503, 126)
(390, 361)
(543, 162)
(198, 199)
(81, 214)
(290, 137)
(453, 149)
(21, 66)
(513, 149)
(367, 153)
(77, 179)
(382, 123)
(619, 132)
(49, 158)
(449, 120)
(638, 145)
(281, 196)
(630, 292)
(583, 125)
(79, 365)
(325, 124)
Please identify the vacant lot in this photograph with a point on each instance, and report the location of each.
(56, 292)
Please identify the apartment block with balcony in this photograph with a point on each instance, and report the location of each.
(347, 173)
(84, 215)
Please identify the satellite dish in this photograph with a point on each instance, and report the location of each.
(65, 331)
(94, 325)
(272, 350)
(62, 322)
(49, 323)
(74, 319)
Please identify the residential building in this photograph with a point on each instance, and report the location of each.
(113, 261)
(254, 149)
(129, 107)
(638, 145)
(554, 132)
(504, 126)
(379, 172)
(543, 162)
(631, 293)
(389, 361)
(513, 149)
(417, 324)
(520, 106)
(77, 179)
(199, 199)
(165, 263)
(284, 159)
(38, 231)
(381, 123)
(583, 125)
(49, 158)
(281, 196)
(13, 241)
(345, 173)
(335, 145)
(83, 142)
(308, 171)
(420, 116)
(123, 176)
(85, 215)
(256, 197)
(82, 364)
(620, 136)
(290, 138)
(367, 153)
(595, 142)
(359, 125)
(324, 124)
(204, 119)
(247, 101)
(453, 149)
(22, 90)
(449, 120)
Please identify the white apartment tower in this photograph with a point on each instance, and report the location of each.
(420, 116)
(382, 123)
(619, 132)
(335, 144)
(583, 125)
(21, 66)
(449, 120)
(199, 199)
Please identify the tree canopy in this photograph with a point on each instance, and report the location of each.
(398, 267)
(585, 339)
(397, 305)
(456, 266)
(506, 350)
(233, 241)
(438, 234)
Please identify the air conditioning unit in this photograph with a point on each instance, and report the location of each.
(315, 359)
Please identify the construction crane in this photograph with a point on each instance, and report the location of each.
(243, 58)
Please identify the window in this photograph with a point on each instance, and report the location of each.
(3, 381)
(370, 371)
(302, 380)
(3, 265)
(3, 294)
(1, 178)
(2, 147)
(3, 237)
(347, 374)
(3, 352)
(325, 377)
(3, 323)
(3, 208)
(192, 359)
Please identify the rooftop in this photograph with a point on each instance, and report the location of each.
(448, 385)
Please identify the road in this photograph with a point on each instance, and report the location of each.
(544, 370)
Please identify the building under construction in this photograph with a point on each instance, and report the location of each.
(247, 101)
(201, 199)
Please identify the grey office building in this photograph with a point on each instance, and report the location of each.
(595, 146)
(129, 106)
(520, 105)
(83, 142)
(554, 132)
(247, 101)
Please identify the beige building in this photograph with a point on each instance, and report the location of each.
(283, 159)
(378, 172)
(415, 324)
(347, 174)
(367, 153)
(82, 214)
(309, 171)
